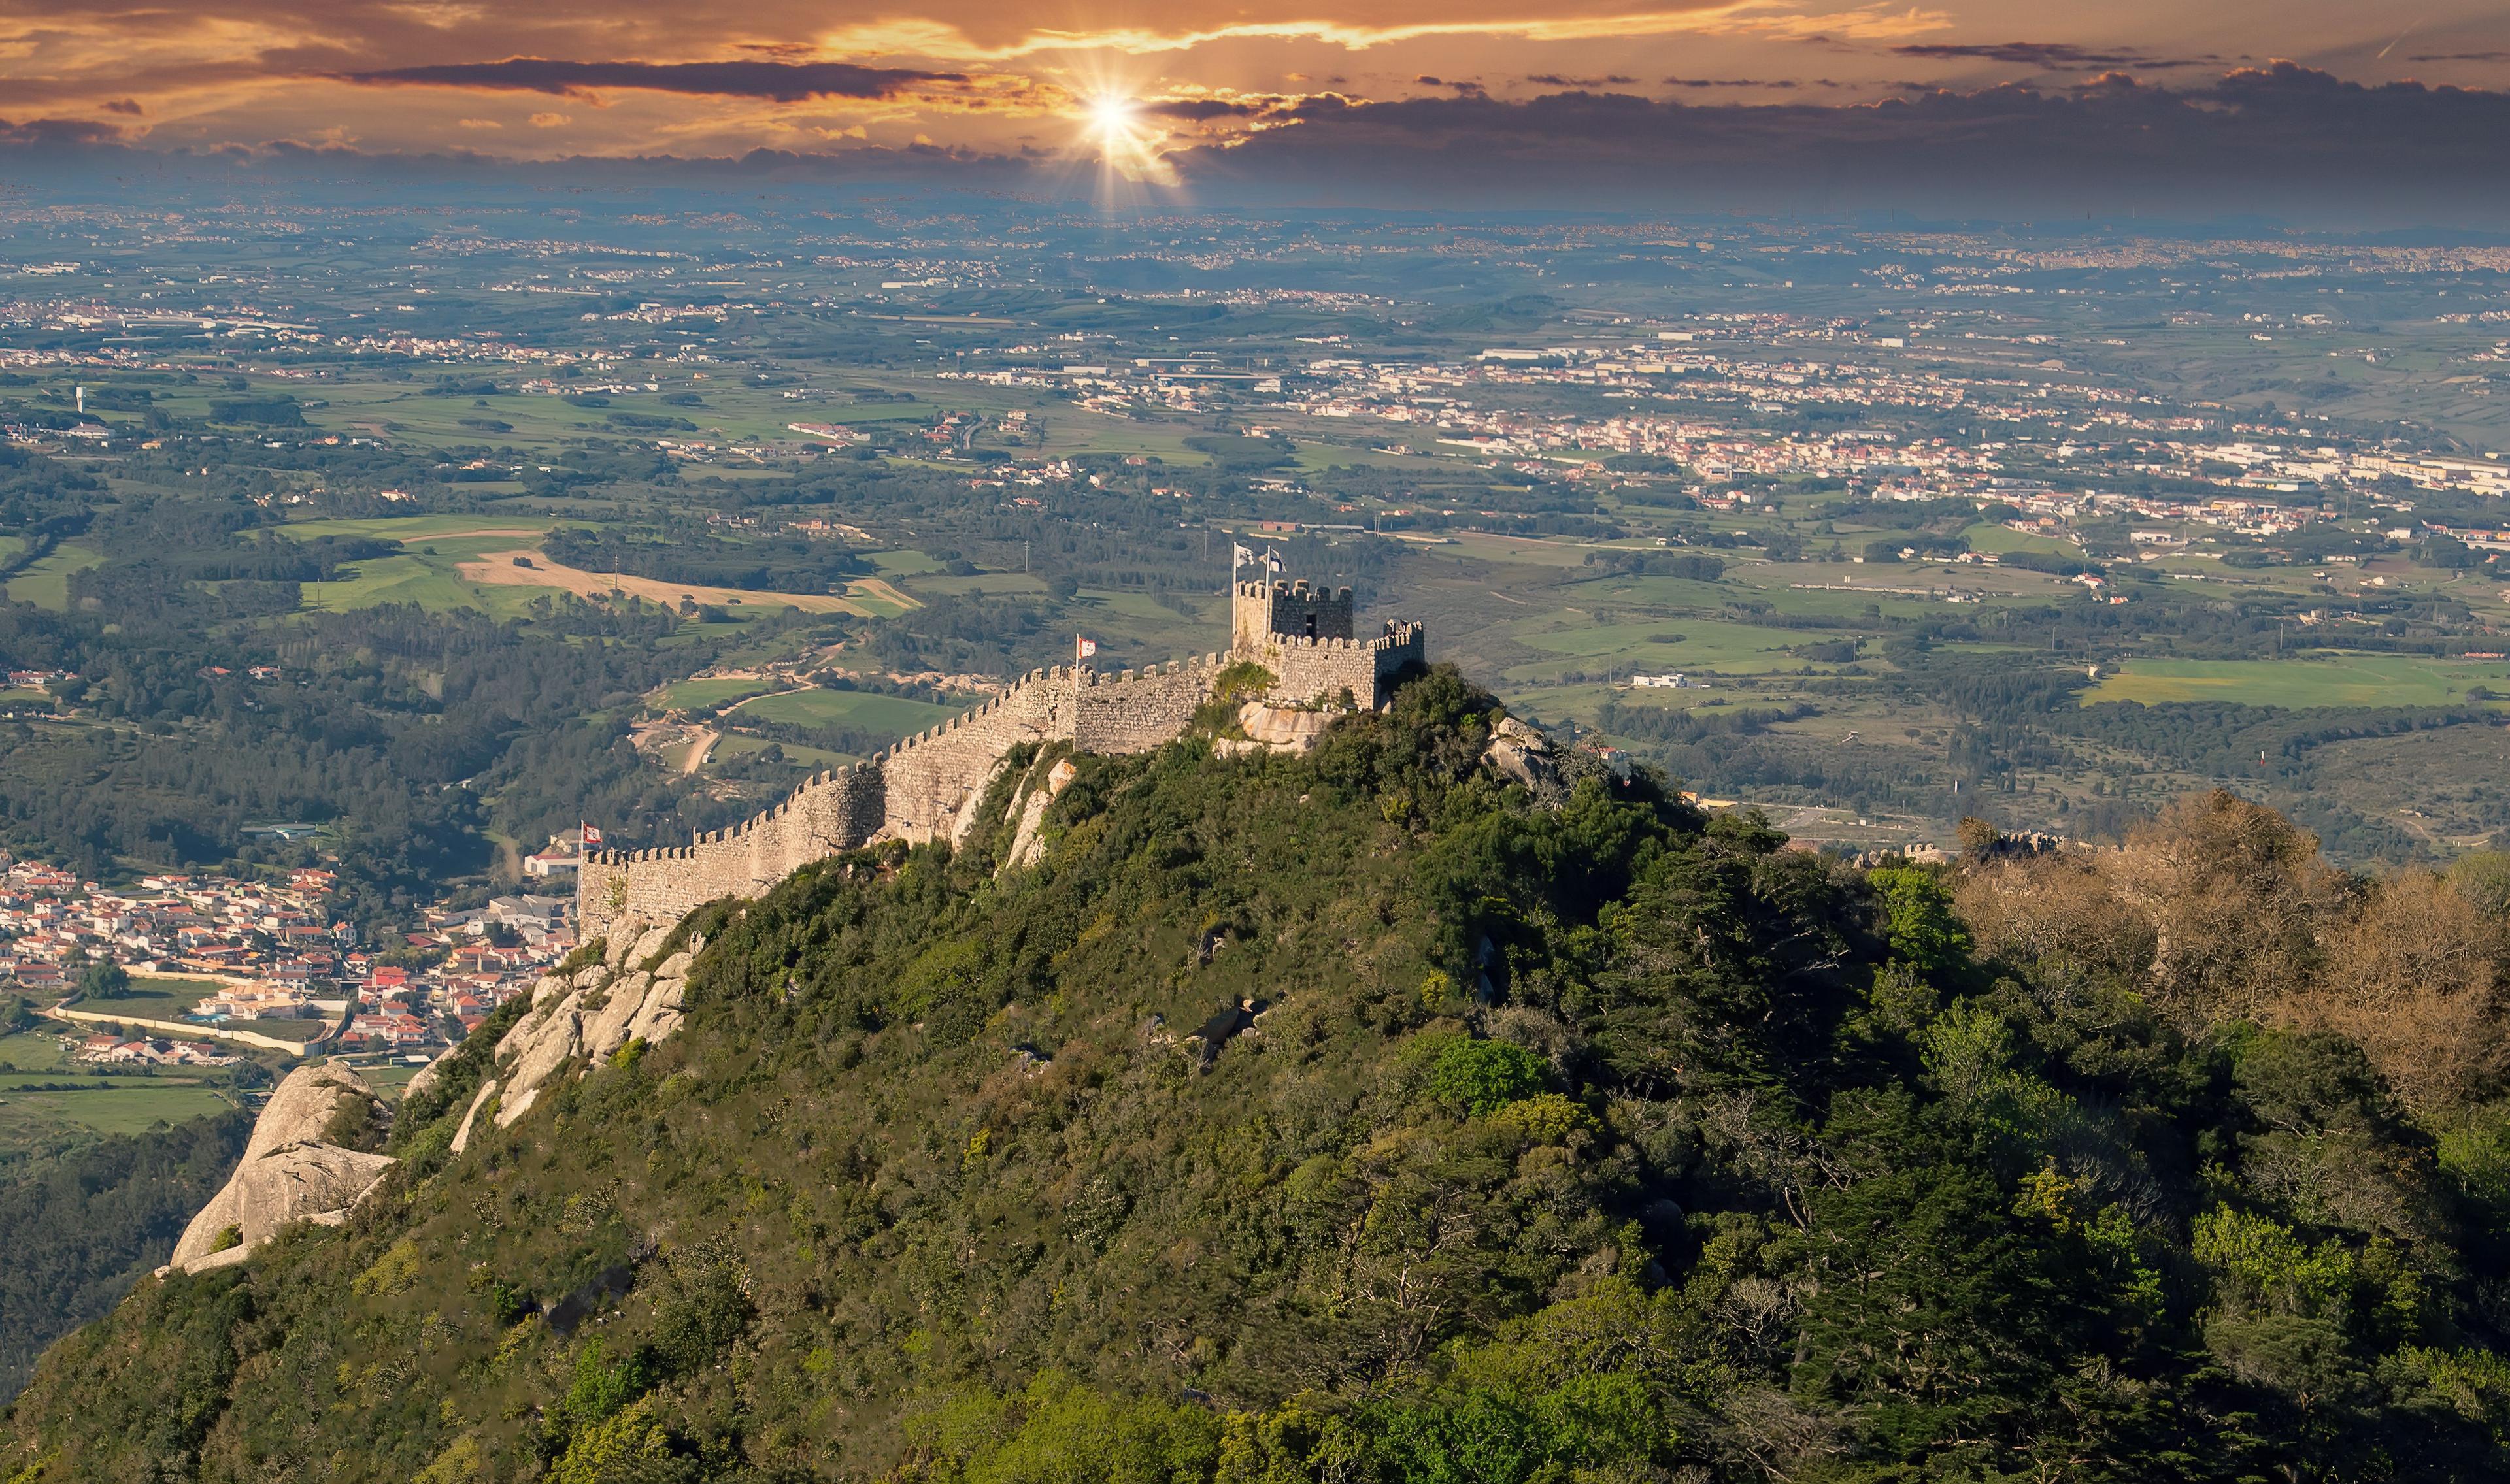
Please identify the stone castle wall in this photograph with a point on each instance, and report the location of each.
(1262, 611)
(1309, 672)
(921, 789)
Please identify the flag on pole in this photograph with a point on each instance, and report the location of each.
(1273, 563)
(1082, 648)
(592, 836)
(1240, 556)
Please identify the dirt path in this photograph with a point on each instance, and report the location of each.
(698, 750)
(497, 569)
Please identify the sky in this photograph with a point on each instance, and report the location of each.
(2109, 105)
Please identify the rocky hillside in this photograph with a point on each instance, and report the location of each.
(1374, 1114)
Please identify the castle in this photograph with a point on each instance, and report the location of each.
(928, 786)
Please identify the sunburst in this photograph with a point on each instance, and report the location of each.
(1116, 127)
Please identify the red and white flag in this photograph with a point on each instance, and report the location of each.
(1084, 648)
(592, 836)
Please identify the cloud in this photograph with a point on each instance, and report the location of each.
(1199, 109)
(56, 133)
(2459, 57)
(775, 81)
(550, 120)
(127, 105)
(1725, 82)
(2056, 56)
(1549, 80)
(2281, 138)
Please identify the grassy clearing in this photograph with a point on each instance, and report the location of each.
(47, 583)
(2321, 679)
(990, 584)
(713, 690)
(1658, 644)
(869, 711)
(1987, 535)
(129, 1105)
(428, 575)
(733, 744)
(903, 563)
(154, 999)
(405, 528)
(34, 1051)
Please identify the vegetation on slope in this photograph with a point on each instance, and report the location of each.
(78, 1226)
(1359, 1118)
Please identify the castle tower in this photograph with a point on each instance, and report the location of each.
(1260, 611)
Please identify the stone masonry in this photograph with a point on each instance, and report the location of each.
(920, 789)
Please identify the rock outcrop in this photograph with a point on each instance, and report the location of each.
(1522, 755)
(1276, 729)
(584, 1018)
(288, 1172)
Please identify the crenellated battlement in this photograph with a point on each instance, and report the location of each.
(926, 787)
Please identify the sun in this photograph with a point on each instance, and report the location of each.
(1114, 119)
(1115, 125)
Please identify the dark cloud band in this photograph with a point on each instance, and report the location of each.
(776, 81)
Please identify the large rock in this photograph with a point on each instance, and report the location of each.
(1028, 845)
(471, 1116)
(605, 1030)
(605, 1008)
(659, 1015)
(288, 1172)
(540, 1045)
(1276, 729)
(1522, 755)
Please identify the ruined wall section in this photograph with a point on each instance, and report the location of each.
(832, 812)
(927, 777)
(913, 791)
(1129, 712)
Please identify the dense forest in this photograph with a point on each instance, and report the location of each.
(1361, 1117)
(411, 736)
(81, 1226)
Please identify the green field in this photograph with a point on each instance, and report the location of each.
(734, 744)
(47, 583)
(153, 999)
(407, 528)
(36, 1050)
(1652, 645)
(2320, 679)
(127, 1105)
(426, 574)
(903, 563)
(714, 690)
(892, 715)
(1987, 535)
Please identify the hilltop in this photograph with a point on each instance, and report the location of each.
(1374, 1114)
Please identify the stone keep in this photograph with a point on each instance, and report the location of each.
(924, 788)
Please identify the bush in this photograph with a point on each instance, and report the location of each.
(1481, 1077)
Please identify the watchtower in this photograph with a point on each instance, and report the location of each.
(1263, 611)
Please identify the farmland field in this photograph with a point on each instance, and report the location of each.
(868, 710)
(2317, 679)
(124, 1105)
(47, 583)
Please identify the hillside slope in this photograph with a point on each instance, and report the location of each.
(1359, 1116)
(78, 1228)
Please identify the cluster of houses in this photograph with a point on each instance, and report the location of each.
(270, 951)
(279, 932)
